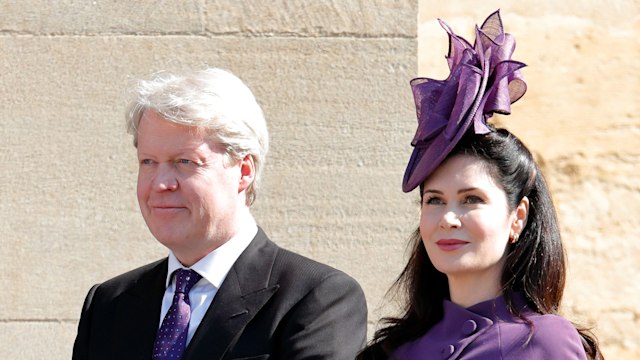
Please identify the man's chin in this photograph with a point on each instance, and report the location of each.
(170, 240)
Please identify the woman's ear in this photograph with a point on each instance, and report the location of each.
(522, 213)
(247, 172)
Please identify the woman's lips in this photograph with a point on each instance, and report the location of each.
(450, 244)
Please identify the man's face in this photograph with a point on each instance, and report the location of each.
(189, 196)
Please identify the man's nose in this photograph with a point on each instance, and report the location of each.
(166, 178)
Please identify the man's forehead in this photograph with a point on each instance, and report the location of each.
(155, 121)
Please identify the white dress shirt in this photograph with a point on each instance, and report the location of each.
(214, 269)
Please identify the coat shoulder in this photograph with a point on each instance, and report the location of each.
(558, 336)
(547, 337)
(121, 283)
(314, 310)
(290, 268)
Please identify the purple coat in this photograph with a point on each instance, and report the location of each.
(488, 331)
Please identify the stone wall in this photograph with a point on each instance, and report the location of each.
(581, 117)
(330, 75)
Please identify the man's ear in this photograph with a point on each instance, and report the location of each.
(247, 173)
(522, 213)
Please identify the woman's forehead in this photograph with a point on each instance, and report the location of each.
(462, 171)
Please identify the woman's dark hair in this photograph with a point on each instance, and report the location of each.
(534, 266)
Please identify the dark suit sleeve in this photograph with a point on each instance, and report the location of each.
(81, 345)
(330, 322)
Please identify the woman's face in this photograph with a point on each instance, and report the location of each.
(465, 221)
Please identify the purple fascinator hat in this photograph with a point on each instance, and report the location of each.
(483, 81)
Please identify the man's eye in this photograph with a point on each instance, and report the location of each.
(184, 162)
(187, 162)
(146, 162)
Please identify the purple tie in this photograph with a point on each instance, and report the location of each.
(171, 339)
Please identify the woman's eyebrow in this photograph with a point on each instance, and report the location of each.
(441, 193)
(432, 191)
(467, 190)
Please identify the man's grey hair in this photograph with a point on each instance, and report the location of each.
(212, 99)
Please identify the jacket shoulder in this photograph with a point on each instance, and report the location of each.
(321, 312)
(556, 337)
(119, 284)
(292, 268)
(286, 268)
(548, 337)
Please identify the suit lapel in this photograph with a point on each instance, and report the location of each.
(138, 314)
(242, 294)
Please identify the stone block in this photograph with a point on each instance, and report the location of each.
(352, 18)
(31, 340)
(36, 17)
(619, 13)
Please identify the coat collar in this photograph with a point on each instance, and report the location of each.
(139, 311)
(460, 327)
(243, 293)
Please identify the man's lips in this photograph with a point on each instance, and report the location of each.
(169, 206)
(451, 244)
(166, 208)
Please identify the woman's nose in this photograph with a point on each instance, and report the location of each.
(450, 220)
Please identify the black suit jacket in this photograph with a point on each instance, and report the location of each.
(273, 304)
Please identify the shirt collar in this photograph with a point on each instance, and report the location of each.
(215, 266)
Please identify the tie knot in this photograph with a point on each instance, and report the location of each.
(185, 279)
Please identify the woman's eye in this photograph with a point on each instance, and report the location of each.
(433, 201)
(472, 199)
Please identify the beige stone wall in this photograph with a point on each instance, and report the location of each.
(581, 117)
(331, 76)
